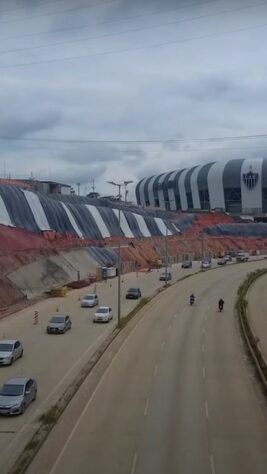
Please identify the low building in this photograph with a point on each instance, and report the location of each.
(46, 187)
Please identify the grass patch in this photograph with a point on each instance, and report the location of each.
(31, 447)
(137, 308)
(51, 416)
(250, 339)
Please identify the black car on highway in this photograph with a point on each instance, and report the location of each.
(187, 264)
(133, 293)
(165, 276)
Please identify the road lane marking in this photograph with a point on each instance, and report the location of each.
(162, 346)
(146, 407)
(203, 330)
(74, 429)
(206, 409)
(134, 463)
(169, 328)
(155, 370)
(212, 465)
(203, 348)
(204, 373)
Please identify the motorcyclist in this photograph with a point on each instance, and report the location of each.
(220, 304)
(192, 299)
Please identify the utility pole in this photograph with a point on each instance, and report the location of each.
(119, 185)
(78, 185)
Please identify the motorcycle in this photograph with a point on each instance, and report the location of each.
(192, 300)
(220, 306)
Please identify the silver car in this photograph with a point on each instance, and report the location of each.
(16, 394)
(10, 350)
(58, 324)
(89, 301)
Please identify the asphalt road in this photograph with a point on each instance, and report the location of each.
(179, 396)
(54, 360)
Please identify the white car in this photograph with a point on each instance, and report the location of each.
(103, 314)
(89, 301)
(205, 264)
(10, 350)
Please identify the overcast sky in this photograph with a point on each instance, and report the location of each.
(129, 70)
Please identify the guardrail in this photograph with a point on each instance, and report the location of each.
(251, 340)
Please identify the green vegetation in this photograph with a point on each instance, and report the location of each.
(251, 340)
(137, 308)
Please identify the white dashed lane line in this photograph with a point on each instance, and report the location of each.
(206, 409)
(146, 407)
(134, 463)
(155, 370)
(212, 465)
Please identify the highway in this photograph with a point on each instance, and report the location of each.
(177, 396)
(54, 360)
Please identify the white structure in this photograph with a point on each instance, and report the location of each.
(236, 186)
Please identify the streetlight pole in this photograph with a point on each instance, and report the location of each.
(119, 185)
(126, 191)
(202, 249)
(166, 255)
(166, 244)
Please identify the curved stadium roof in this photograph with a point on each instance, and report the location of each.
(238, 186)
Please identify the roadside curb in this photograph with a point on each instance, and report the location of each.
(251, 340)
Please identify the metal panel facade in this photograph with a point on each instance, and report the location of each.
(238, 186)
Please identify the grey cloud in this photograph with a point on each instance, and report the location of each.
(17, 125)
(90, 153)
(83, 175)
(200, 89)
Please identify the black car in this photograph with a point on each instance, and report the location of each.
(133, 293)
(187, 264)
(165, 276)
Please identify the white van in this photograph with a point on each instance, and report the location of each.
(242, 256)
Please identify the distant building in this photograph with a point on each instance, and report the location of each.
(93, 194)
(46, 187)
(15, 182)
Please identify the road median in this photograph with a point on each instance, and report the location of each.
(250, 338)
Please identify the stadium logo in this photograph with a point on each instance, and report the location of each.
(250, 179)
